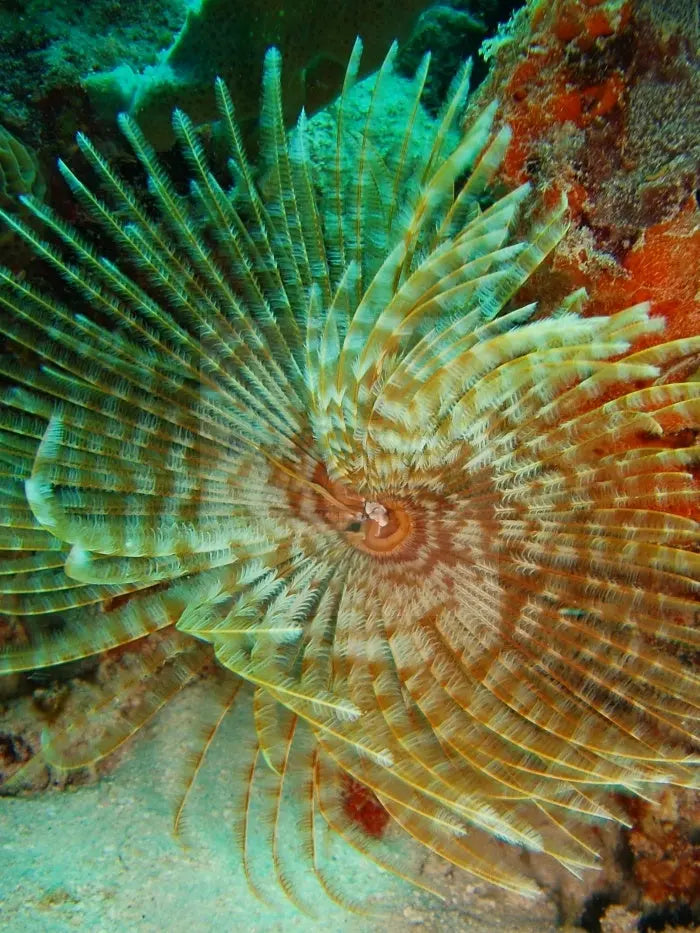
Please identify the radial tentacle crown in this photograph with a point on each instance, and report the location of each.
(444, 547)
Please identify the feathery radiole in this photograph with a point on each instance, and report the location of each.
(440, 544)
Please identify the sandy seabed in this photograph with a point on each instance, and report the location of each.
(103, 858)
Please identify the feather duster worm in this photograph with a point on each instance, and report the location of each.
(422, 530)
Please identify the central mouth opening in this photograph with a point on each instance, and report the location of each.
(386, 527)
(375, 526)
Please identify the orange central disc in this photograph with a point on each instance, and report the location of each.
(375, 527)
(383, 539)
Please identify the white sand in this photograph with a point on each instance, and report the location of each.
(102, 858)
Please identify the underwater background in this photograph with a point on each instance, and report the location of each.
(603, 104)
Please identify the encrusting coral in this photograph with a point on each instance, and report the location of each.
(19, 172)
(443, 547)
(603, 100)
